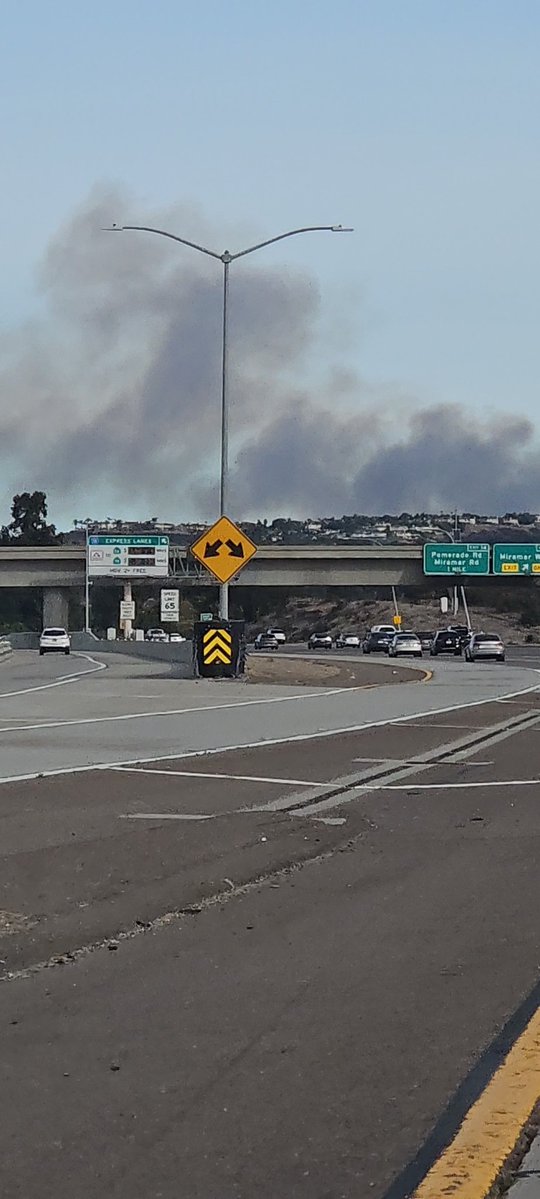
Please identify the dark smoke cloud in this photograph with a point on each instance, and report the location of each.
(111, 400)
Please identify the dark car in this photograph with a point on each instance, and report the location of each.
(426, 639)
(446, 641)
(463, 632)
(377, 643)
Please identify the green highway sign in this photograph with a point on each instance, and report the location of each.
(128, 557)
(519, 559)
(456, 559)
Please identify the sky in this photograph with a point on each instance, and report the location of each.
(392, 368)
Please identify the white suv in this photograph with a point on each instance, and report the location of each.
(54, 641)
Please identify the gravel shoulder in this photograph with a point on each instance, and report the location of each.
(316, 673)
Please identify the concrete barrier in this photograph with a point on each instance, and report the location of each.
(5, 649)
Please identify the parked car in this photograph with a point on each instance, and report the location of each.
(446, 641)
(320, 641)
(426, 640)
(377, 643)
(54, 641)
(278, 634)
(156, 635)
(485, 645)
(266, 641)
(347, 640)
(405, 644)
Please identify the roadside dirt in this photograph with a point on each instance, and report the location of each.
(298, 673)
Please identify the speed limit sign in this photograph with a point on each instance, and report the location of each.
(170, 605)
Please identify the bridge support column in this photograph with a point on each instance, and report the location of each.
(56, 607)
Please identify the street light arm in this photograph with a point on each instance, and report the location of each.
(292, 233)
(163, 233)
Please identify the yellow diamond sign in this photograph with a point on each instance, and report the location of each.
(224, 549)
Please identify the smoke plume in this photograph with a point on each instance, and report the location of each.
(110, 400)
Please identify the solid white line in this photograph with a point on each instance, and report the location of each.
(244, 703)
(164, 816)
(264, 743)
(59, 682)
(445, 786)
(202, 774)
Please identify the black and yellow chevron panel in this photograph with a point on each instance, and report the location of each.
(217, 647)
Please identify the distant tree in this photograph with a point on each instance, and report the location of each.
(525, 518)
(28, 524)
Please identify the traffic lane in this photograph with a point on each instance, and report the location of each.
(86, 855)
(200, 717)
(26, 669)
(301, 1039)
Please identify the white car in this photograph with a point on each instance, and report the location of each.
(405, 643)
(278, 634)
(484, 645)
(156, 635)
(383, 628)
(176, 637)
(347, 641)
(54, 641)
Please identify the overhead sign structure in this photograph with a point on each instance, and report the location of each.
(460, 559)
(128, 557)
(170, 604)
(127, 610)
(519, 559)
(224, 549)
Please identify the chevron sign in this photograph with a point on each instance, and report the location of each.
(217, 647)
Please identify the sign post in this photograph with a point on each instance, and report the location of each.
(470, 558)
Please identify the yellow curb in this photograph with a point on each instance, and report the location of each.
(428, 675)
(472, 1164)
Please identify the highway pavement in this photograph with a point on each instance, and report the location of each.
(284, 968)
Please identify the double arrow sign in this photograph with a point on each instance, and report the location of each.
(224, 549)
(212, 548)
(217, 647)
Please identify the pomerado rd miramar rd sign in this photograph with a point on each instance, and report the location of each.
(224, 549)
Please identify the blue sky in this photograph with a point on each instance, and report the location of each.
(416, 122)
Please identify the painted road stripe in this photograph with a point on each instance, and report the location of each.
(165, 816)
(471, 1165)
(445, 786)
(203, 774)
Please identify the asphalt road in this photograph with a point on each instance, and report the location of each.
(282, 970)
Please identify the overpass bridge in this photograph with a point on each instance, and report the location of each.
(57, 570)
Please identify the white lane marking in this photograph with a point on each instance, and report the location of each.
(261, 744)
(164, 816)
(203, 774)
(244, 703)
(456, 760)
(59, 682)
(445, 786)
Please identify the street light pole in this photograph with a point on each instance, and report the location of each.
(226, 258)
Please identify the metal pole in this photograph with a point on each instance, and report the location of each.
(466, 609)
(224, 474)
(86, 591)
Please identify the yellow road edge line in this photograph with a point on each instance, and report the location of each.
(472, 1163)
(428, 675)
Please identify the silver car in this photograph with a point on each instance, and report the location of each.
(405, 644)
(485, 645)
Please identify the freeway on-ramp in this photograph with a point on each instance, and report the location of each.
(262, 940)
